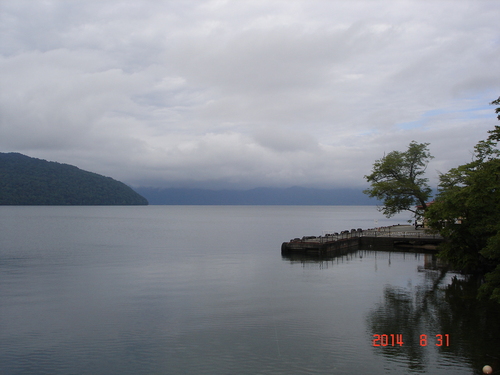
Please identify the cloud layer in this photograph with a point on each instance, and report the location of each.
(246, 93)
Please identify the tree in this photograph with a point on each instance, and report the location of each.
(467, 213)
(397, 180)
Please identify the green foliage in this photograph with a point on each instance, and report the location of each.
(497, 109)
(397, 179)
(467, 213)
(30, 181)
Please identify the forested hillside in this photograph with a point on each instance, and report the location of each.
(30, 181)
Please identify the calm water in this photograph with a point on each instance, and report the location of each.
(205, 290)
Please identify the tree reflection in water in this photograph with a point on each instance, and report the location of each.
(438, 306)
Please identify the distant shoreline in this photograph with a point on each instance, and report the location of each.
(292, 196)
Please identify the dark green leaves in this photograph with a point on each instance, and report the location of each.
(467, 213)
(397, 180)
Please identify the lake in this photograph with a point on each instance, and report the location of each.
(205, 290)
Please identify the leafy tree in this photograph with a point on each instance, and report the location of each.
(467, 213)
(397, 180)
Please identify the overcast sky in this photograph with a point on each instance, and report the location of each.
(225, 94)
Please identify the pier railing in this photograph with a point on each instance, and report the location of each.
(375, 233)
(380, 237)
(412, 234)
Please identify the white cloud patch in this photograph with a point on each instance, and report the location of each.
(220, 93)
(283, 140)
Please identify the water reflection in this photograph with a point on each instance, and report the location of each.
(339, 257)
(440, 302)
(343, 255)
(441, 305)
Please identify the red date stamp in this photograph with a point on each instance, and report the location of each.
(397, 339)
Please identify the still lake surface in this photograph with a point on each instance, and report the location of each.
(205, 290)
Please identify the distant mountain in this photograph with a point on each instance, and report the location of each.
(257, 196)
(30, 181)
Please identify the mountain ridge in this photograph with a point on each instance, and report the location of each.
(30, 181)
(257, 196)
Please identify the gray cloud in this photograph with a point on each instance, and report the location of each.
(257, 93)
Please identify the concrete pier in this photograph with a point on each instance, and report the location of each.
(397, 236)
